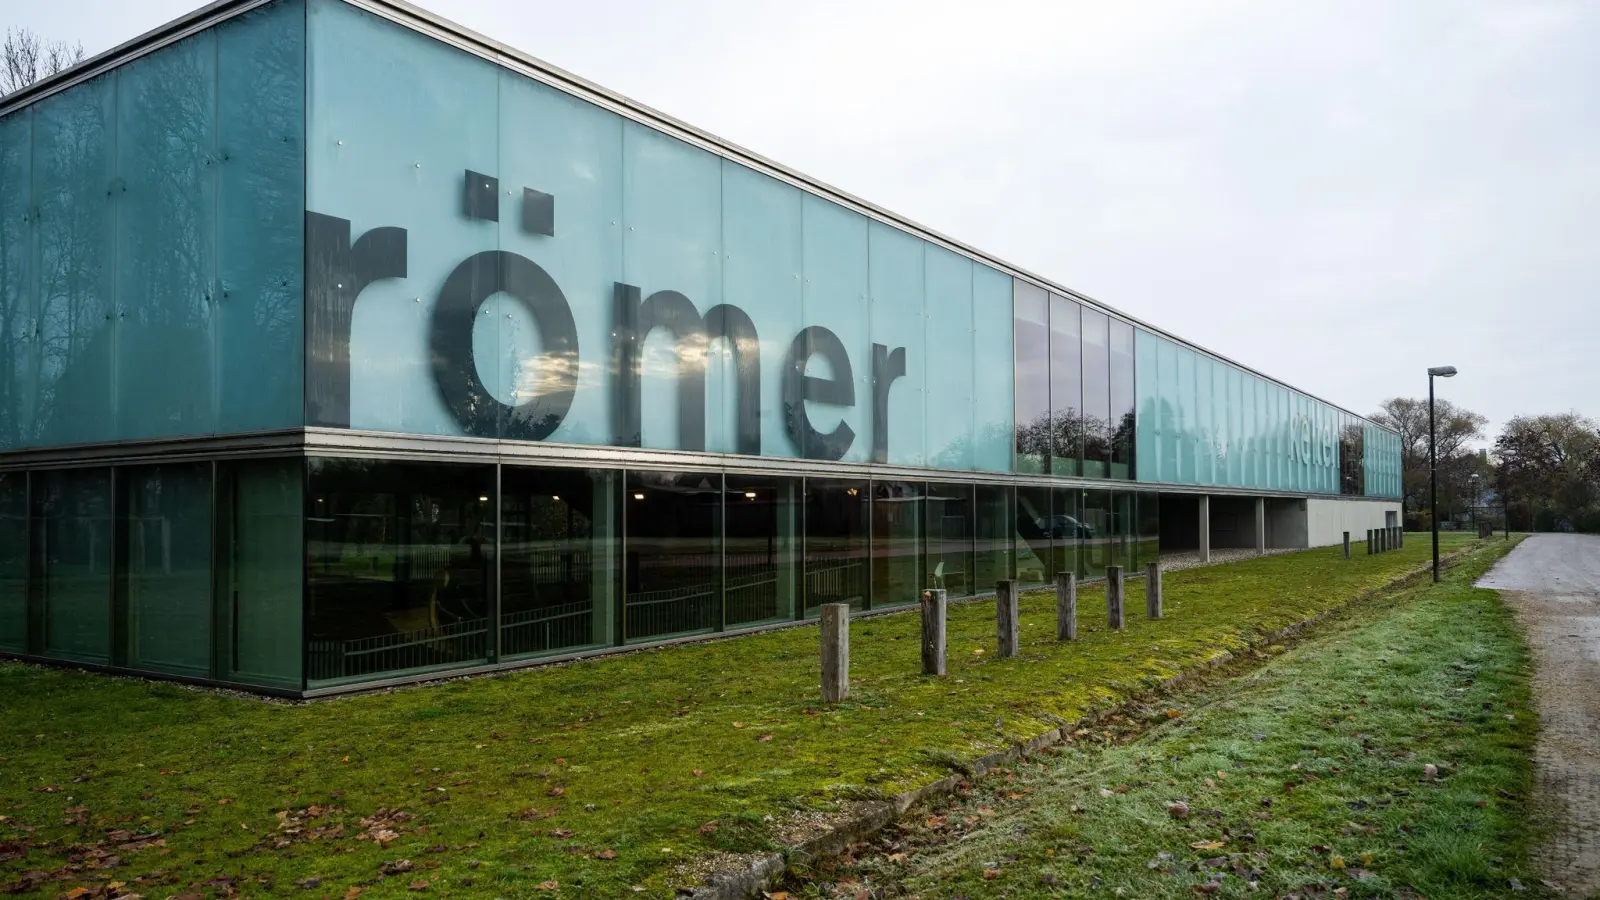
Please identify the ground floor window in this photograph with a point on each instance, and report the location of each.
(399, 567)
(672, 578)
(308, 573)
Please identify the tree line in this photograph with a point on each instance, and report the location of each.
(1543, 471)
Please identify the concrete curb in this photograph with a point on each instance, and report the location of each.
(749, 882)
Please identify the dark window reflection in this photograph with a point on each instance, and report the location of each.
(1068, 532)
(994, 528)
(400, 560)
(1148, 530)
(559, 540)
(674, 564)
(72, 553)
(897, 511)
(1123, 401)
(1033, 522)
(1352, 456)
(836, 525)
(164, 582)
(14, 561)
(1099, 549)
(1097, 425)
(1032, 378)
(1125, 529)
(763, 551)
(949, 563)
(1066, 387)
(260, 517)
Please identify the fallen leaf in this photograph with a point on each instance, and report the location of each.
(607, 853)
(709, 827)
(419, 885)
(561, 833)
(699, 774)
(352, 894)
(991, 874)
(765, 739)
(547, 886)
(557, 791)
(1336, 861)
(738, 724)
(1178, 810)
(1209, 845)
(224, 801)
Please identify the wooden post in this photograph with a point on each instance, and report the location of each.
(1401, 531)
(1005, 618)
(1066, 606)
(933, 615)
(1152, 589)
(835, 652)
(1370, 549)
(1114, 596)
(1347, 545)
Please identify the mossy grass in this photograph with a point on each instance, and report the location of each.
(585, 779)
(1308, 776)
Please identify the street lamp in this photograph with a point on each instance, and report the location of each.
(1474, 479)
(1433, 475)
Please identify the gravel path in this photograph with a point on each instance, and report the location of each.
(1174, 562)
(1553, 581)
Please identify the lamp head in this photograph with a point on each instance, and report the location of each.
(1442, 371)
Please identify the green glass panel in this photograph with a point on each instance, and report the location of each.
(72, 552)
(762, 558)
(259, 587)
(949, 564)
(14, 561)
(165, 582)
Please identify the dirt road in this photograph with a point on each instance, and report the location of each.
(1553, 581)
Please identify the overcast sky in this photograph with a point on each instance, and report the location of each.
(1339, 194)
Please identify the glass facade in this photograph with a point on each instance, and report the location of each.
(151, 243)
(1202, 421)
(310, 219)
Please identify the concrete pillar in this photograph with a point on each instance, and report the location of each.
(1347, 545)
(933, 619)
(1005, 619)
(1261, 524)
(1152, 589)
(835, 652)
(1066, 606)
(1114, 616)
(1205, 528)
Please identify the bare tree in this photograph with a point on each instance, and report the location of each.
(25, 58)
(1456, 428)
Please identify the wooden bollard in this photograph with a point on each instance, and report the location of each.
(1400, 531)
(1114, 616)
(1152, 589)
(1399, 538)
(1007, 639)
(835, 652)
(1066, 606)
(1382, 534)
(933, 615)
(1370, 549)
(1347, 545)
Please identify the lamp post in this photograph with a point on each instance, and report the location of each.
(1433, 461)
(1474, 478)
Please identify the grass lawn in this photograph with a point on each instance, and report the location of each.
(1308, 777)
(585, 779)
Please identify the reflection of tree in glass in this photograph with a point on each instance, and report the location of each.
(70, 364)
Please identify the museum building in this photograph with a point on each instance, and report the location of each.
(342, 346)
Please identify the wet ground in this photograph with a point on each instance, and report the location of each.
(1553, 581)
